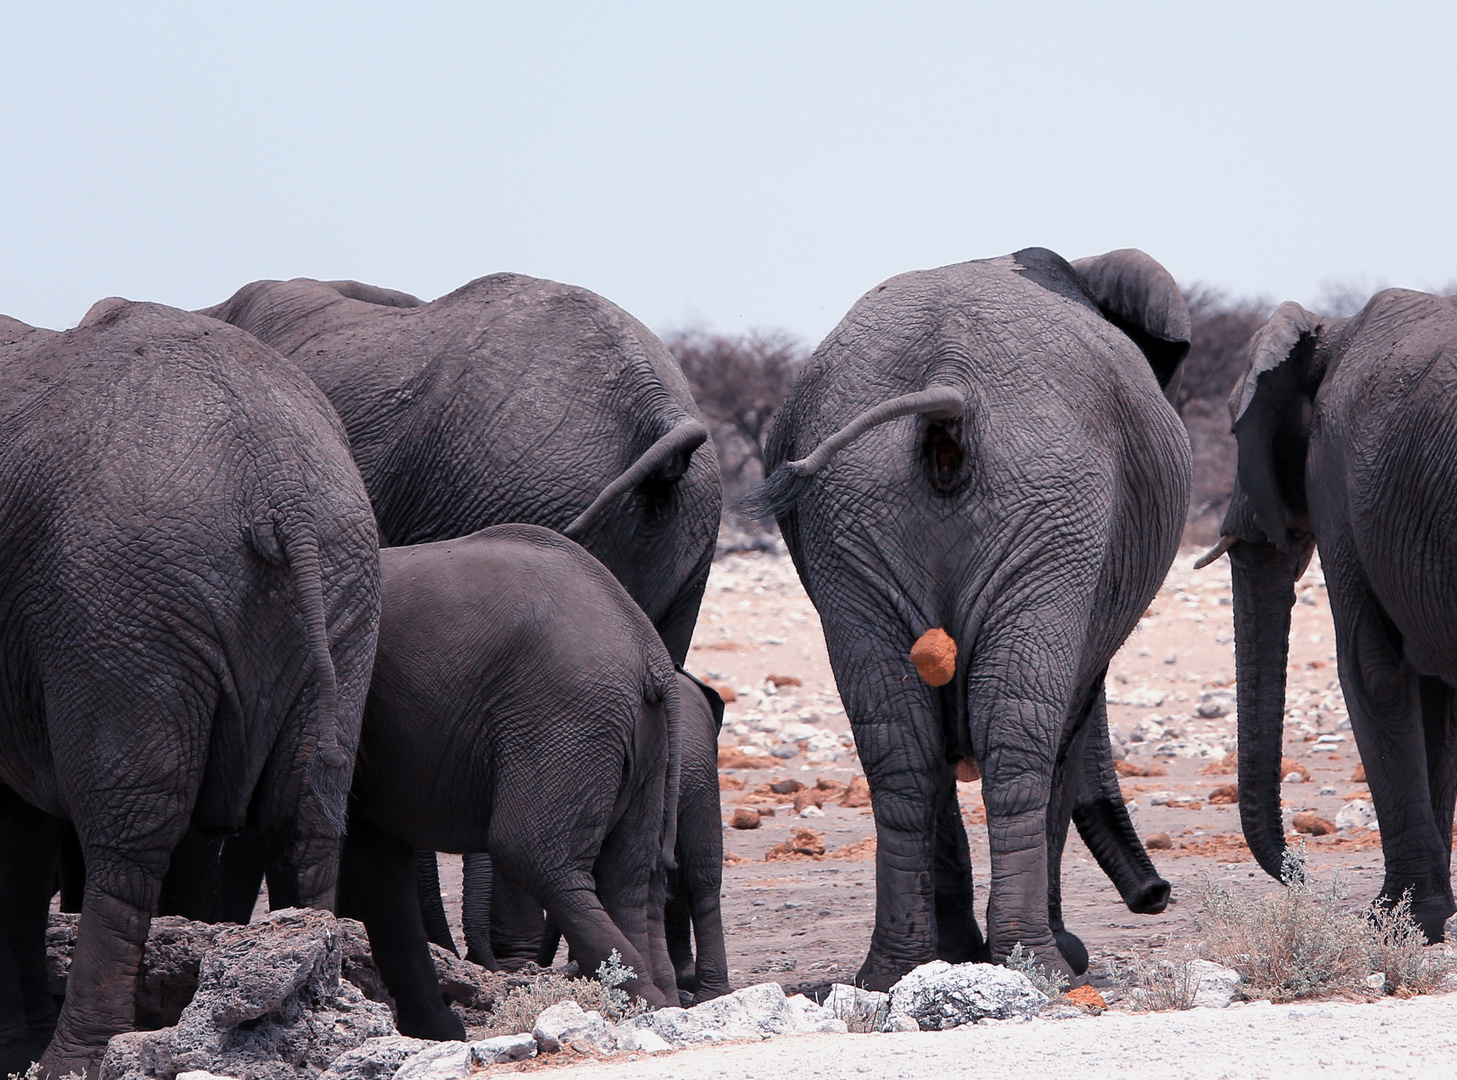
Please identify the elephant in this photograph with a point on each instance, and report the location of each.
(521, 704)
(982, 483)
(504, 927)
(189, 596)
(1344, 435)
(512, 399)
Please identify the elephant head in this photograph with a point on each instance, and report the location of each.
(1267, 532)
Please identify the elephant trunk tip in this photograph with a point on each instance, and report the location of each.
(934, 655)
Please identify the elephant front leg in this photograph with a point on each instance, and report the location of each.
(1389, 722)
(377, 886)
(958, 937)
(28, 842)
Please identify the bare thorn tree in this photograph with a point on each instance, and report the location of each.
(739, 382)
(1219, 350)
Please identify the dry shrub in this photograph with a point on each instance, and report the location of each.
(1399, 948)
(517, 1009)
(1302, 942)
(1157, 985)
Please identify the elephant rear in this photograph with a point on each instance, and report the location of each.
(192, 565)
(523, 705)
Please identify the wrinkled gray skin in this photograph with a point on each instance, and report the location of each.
(1346, 433)
(523, 705)
(189, 597)
(1029, 504)
(511, 399)
(504, 928)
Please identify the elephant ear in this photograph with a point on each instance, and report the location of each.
(1137, 295)
(1267, 408)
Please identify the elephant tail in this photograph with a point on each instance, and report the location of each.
(667, 458)
(663, 685)
(783, 487)
(296, 546)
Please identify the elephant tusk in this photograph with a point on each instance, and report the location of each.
(1225, 543)
(934, 655)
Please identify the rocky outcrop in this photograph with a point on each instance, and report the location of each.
(269, 1005)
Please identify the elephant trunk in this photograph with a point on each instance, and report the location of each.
(1103, 822)
(1264, 592)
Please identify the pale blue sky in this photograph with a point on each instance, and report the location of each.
(741, 164)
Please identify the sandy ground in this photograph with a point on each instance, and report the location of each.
(1416, 1038)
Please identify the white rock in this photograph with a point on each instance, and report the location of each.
(1376, 981)
(376, 1059)
(811, 811)
(441, 1061)
(642, 1040)
(902, 1023)
(755, 1012)
(1217, 985)
(815, 1017)
(1147, 730)
(846, 1002)
(941, 995)
(503, 1048)
(824, 757)
(1145, 697)
(201, 1074)
(1356, 814)
(1159, 798)
(566, 1024)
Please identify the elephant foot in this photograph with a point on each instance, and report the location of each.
(1073, 951)
(482, 958)
(1150, 898)
(440, 1025)
(1430, 914)
(17, 1053)
(879, 974)
(58, 1061)
(708, 993)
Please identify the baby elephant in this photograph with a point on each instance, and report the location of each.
(524, 705)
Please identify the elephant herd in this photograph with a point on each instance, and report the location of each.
(324, 579)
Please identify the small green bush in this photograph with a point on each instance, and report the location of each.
(1050, 981)
(517, 1009)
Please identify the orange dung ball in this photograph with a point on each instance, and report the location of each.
(934, 655)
